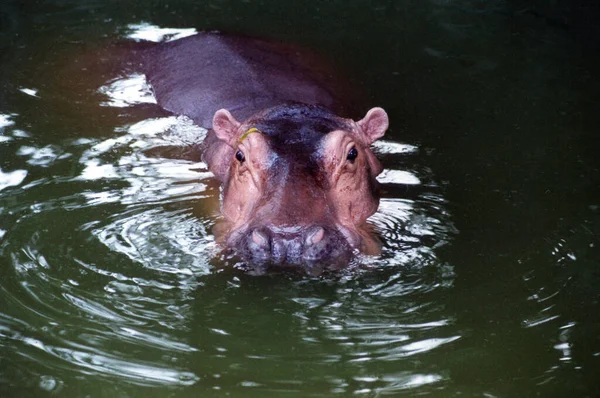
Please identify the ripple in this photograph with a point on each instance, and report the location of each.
(403, 381)
(137, 372)
(173, 242)
(95, 361)
(65, 313)
(149, 179)
(556, 280)
(417, 347)
(412, 229)
(93, 308)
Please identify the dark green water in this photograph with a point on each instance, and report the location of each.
(489, 281)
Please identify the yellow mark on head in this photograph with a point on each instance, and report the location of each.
(247, 133)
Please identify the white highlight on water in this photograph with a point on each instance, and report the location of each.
(390, 147)
(127, 91)
(30, 91)
(5, 121)
(398, 177)
(11, 178)
(148, 32)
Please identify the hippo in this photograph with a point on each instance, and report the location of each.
(298, 178)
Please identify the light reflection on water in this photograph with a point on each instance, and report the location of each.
(127, 91)
(11, 178)
(148, 32)
(176, 242)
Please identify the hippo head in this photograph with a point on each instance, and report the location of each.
(298, 182)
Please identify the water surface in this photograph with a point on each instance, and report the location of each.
(111, 283)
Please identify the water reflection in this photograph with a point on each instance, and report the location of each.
(168, 242)
(398, 177)
(5, 121)
(29, 91)
(42, 157)
(127, 91)
(146, 31)
(11, 178)
(366, 331)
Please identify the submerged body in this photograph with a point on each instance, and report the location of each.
(298, 179)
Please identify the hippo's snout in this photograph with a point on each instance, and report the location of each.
(295, 245)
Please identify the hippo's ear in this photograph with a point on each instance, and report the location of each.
(374, 124)
(225, 126)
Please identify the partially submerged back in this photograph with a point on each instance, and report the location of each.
(200, 74)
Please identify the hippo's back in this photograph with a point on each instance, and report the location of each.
(200, 74)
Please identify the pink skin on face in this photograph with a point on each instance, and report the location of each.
(302, 209)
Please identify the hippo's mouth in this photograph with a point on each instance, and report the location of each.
(315, 246)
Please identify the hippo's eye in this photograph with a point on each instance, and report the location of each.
(240, 156)
(352, 154)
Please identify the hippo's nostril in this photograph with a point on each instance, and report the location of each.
(260, 238)
(315, 236)
(292, 246)
(258, 245)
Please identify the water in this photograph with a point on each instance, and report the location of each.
(487, 286)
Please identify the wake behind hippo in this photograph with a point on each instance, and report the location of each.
(298, 180)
